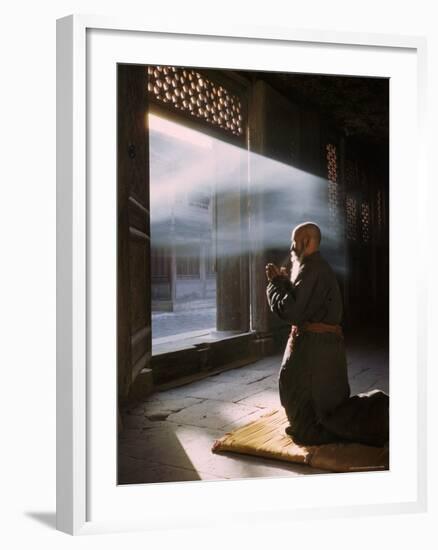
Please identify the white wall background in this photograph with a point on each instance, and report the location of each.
(27, 289)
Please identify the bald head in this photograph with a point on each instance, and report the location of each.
(307, 230)
(305, 240)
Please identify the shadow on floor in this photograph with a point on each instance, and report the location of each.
(45, 518)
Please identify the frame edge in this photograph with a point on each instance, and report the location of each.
(71, 448)
(70, 277)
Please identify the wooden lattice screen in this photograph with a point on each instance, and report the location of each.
(333, 188)
(189, 91)
(351, 211)
(365, 221)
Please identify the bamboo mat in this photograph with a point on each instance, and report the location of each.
(266, 437)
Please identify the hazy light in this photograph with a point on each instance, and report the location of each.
(177, 131)
(279, 196)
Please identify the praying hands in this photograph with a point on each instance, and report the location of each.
(272, 271)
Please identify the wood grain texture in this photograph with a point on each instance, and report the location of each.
(133, 232)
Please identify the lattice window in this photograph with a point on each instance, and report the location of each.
(333, 187)
(365, 221)
(379, 209)
(351, 206)
(189, 91)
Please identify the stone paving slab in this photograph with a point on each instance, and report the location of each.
(134, 434)
(271, 363)
(272, 382)
(135, 422)
(355, 371)
(265, 399)
(180, 392)
(176, 322)
(227, 391)
(211, 414)
(155, 410)
(163, 446)
(365, 382)
(135, 471)
(244, 375)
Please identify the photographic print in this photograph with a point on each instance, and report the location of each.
(252, 274)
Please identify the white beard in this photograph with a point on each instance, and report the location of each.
(296, 264)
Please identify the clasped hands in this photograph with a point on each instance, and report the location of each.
(273, 271)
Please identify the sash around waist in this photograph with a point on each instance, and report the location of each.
(316, 327)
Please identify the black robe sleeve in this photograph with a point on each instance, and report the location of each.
(292, 302)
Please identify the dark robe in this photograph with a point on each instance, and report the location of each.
(313, 380)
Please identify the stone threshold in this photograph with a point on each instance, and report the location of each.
(183, 381)
(193, 339)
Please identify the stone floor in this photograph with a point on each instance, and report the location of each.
(166, 323)
(169, 436)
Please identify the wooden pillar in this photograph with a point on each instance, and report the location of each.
(257, 261)
(228, 246)
(231, 249)
(133, 227)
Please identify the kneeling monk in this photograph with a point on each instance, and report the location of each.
(313, 380)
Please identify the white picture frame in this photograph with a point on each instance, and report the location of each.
(85, 501)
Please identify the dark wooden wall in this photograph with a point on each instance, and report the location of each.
(133, 227)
